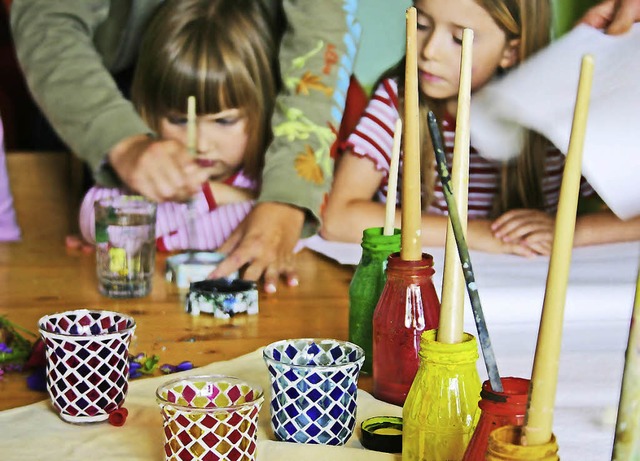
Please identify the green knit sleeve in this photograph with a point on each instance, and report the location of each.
(316, 60)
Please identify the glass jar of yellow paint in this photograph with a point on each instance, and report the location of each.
(441, 410)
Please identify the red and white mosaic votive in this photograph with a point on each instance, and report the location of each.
(210, 418)
(87, 361)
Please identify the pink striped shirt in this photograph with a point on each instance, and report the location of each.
(211, 224)
(373, 139)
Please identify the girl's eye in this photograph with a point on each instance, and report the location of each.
(227, 120)
(177, 119)
(424, 22)
(457, 40)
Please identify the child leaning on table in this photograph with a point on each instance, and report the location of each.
(511, 205)
(223, 52)
(9, 230)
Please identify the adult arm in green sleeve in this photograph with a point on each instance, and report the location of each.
(316, 58)
(316, 61)
(69, 78)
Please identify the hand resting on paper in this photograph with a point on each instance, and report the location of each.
(615, 16)
(532, 229)
(480, 237)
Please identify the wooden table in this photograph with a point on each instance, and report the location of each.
(39, 275)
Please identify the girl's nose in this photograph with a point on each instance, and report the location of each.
(431, 46)
(204, 144)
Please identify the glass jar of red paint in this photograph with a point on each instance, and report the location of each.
(408, 305)
(506, 408)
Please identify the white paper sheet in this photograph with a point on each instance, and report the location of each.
(511, 288)
(540, 95)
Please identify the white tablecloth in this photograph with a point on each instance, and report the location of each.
(36, 433)
(588, 389)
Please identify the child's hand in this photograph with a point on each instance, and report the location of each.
(481, 238)
(531, 228)
(76, 242)
(264, 241)
(161, 170)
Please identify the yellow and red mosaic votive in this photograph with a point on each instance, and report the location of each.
(210, 418)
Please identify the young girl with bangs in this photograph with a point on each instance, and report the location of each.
(223, 52)
(511, 205)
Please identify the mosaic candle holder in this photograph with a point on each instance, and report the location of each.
(223, 298)
(87, 362)
(210, 418)
(314, 384)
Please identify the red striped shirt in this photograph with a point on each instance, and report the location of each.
(373, 139)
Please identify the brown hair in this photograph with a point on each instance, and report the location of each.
(224, 52)
(521, 178)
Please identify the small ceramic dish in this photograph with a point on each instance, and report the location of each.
(223, 298)
(185, 268)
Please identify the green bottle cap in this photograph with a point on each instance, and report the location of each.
(382, 433)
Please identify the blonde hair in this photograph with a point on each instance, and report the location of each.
(521, 179)
(224, 52)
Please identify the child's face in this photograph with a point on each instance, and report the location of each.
(440, 27)
(222, 140)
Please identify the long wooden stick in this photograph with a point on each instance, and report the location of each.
(411, 210)
(192, 136)
(544, 377)
(392, 183)
(627, 441)
(451, 326)
(192, 146)
(463, 253)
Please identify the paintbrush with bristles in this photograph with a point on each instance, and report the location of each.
(192, 140)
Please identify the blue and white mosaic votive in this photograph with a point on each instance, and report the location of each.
(223, 298)
(314, 385)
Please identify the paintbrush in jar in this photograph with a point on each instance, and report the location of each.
(465, 259)
(392, 185)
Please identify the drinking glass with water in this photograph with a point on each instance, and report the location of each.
(125, 245)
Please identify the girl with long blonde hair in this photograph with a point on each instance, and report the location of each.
(512, 205)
